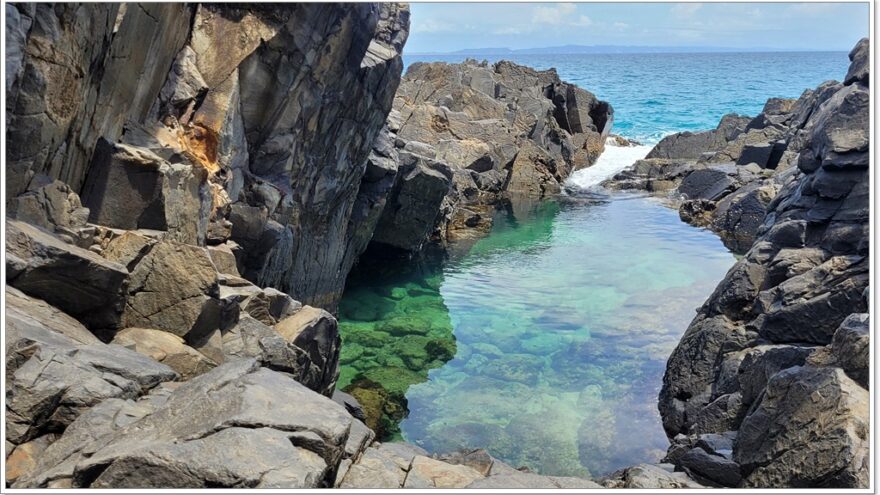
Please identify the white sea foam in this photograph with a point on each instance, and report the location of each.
(613, 160)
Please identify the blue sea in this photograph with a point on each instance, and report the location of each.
(658, 94)
(546, 341)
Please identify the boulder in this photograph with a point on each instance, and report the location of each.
(716, 469)
(315, 331)
(253, 427)
(48, 204)
(174, 288)
(413, 204)
(809, 429)
(133, 188)
(707, 183)
(519, 480)
(75, 280)
(860, 68)
(23, 458)
(55, 372)
(649, 476)
(167, 348)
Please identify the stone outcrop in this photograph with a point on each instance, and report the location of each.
(206, 122)
(470, 135)
(777, 356)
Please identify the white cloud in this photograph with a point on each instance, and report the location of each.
(620, 25)
(433, 26)
(685, 9)
(583, 21)
(554, 15)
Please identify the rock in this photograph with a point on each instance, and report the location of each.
(377, 468)
(167, 348)
(132, 188)
(708, 183)
(849, 349)
(738, 216)
(860, 68)
(477, 459)
(23, 459)
(254, 427)
(49, 204)
(224, 258)
(810, 428)
(174, 288)
(691, 145)
(520, 480)
(77, 281)
(756, 153)
(413, 204)
(315, 331)
(649, 476)
(350, 403)
(531, 173)
(425, 472)
(717, 469)
(55, 372)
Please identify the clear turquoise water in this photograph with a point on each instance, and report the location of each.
(545, 342)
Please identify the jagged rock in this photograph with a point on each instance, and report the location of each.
(413, 203)
(716, 469)
(350, 403)
(253, 427)
(49, 204)
(859, 70)
(174, 288)
(692, 145)
(133, 188)
(477, 459)
(23, 459)
(55, 372)
(708, 183)
(224, 258)
(810, 429)
(315, 331)
(849, 349)
(77, 281)
(167, 348)
(531, 173)
(738, 216)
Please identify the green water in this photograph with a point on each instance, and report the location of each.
(545, 343)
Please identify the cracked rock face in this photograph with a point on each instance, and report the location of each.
(172, 117)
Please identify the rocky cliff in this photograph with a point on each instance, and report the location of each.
(769, 384)
(242, 127)
(468, 136)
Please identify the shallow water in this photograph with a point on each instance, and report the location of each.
(562, 320)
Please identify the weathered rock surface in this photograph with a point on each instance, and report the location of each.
(768, 354)
(208, 122)
(76, 280)
(470, 134)
(167, 348)
(56, 369)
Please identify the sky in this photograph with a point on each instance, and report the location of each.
(444, 27)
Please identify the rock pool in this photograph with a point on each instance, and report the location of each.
(544, 342)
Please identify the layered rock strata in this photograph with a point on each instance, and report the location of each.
(768, 386)
(213, 123)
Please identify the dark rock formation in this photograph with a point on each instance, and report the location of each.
(470, 134)
(769, 353)
(209, 122)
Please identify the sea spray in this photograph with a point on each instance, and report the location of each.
(613, 160)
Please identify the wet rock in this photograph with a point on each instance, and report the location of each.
(77, 281)
(810, 428)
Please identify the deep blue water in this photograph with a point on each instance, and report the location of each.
(658, 94)
(546, 341)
